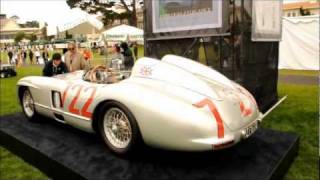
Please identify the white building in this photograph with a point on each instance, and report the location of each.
(294, 9)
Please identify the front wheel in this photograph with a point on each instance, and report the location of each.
(28, 106)
(119, 128)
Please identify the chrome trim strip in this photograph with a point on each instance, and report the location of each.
(54, 110)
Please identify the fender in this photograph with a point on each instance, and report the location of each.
(28, 84)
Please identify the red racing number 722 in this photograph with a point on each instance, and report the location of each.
(72, 106)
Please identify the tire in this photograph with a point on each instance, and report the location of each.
(126, 126)
(27, 104)
(2, 75)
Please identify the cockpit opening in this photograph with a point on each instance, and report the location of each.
(104, 75)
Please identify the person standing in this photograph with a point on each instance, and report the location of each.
(74, 60)
(64, 50)
(10, 55)
(135, 50)
(54, 66)
(24, 56)
(115, 57)
(87, 55)
(31, 56)
(45, 55)
(37, 54)
(127, 56)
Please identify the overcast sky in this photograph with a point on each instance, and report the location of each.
(54, 12)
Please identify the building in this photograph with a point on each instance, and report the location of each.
(9, 27)
(297, 8)
(86, 28)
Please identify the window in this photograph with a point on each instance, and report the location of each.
(293, 14)
(289, 14)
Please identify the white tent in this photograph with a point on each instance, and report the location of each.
(299, 48)
(123, 33)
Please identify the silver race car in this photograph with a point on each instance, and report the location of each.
(175, 104)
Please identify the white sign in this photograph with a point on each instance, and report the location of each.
(184, 15)
(266, 20)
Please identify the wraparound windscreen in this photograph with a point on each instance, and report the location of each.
(181, 15)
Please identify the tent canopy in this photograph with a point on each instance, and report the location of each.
(123, 33)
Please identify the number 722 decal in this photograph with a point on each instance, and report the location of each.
(80, 89)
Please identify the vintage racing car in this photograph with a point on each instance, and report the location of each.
(175, 104)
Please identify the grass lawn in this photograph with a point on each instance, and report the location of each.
(298, 114)
(12, 167)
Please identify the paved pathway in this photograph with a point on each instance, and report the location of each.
(297, 79)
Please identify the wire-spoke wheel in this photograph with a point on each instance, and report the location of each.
(27, 104)
(119, 128)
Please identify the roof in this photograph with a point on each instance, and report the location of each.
(3, 22)
(8, 25)
(304, 5)
(79, 21)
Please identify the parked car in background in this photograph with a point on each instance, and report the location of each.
(7, 70)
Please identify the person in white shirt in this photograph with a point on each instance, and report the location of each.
(37, 55)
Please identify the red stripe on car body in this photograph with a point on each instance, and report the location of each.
(214, 111)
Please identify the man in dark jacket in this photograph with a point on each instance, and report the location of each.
(127, 55)
(10, 55)
(55, 66)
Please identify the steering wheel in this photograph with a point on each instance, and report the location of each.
(94, 71)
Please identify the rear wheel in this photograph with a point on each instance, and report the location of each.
(27, 103)
(119, 128)
(2, 75)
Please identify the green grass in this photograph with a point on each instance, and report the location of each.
(12, 167)
(298, 114)
(8, 95)
(298, 72)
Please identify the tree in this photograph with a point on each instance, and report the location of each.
(68, 36)
(32, 37)
(107, 7)
(19, 36)
(304, 12)
(32, 24)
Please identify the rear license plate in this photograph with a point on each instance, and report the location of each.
(251, 129)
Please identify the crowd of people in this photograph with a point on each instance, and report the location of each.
(71, 59)
(20, 55)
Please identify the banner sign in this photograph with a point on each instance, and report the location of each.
(184, 15)
(124, 37)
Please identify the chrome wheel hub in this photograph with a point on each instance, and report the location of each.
(28, 104)
(117, 128)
